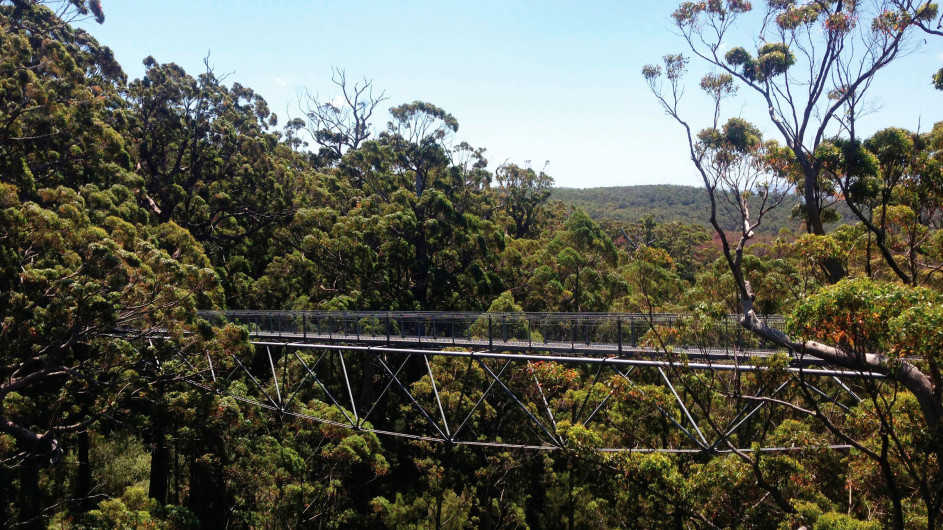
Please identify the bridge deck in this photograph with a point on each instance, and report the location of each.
(513, 345)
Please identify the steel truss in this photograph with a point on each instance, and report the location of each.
(537, 401)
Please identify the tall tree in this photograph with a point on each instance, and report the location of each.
(891, 183)
(522, 193)
(59, 100)
(210, 163)
(420, 132)
(342, 123)
(735, 163)
(812, 66)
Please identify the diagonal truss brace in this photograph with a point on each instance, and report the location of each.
(280, 394)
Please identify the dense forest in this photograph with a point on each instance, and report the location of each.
(133, 203)
(687, 204)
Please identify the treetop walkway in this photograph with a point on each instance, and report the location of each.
(584, 333)
(524, 380)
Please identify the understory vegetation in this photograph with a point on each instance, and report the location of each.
(132, 204)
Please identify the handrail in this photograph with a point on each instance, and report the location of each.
(585, 315)
(532, 331)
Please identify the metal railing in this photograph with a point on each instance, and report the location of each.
(578, 332)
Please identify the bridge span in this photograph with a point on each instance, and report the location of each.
(538, 381)
(633, 334)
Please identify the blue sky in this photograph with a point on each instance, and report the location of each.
(538, 81)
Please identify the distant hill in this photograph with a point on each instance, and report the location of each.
(666, 202)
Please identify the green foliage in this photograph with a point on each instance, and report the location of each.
(737, 136)
(773, 59)
(451, 511)
(120, 462)
(738, 57)
(813, 514)
(133, 509)
(74, 139)
(522, 193)
(509, 327)
(132, 205)
(859, 314)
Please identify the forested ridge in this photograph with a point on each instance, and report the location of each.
(133, 203)
(670, 202)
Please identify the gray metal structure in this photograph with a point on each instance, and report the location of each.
(540, 381)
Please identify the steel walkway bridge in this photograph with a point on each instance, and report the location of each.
(538, 381)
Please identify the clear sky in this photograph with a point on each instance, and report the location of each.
(538, 81)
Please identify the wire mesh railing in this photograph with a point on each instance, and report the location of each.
(617, 332)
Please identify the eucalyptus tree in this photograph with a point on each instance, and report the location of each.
(735, 163)
(210, 164)
(522, 193)
(891, 182)
(812, 65)
(343, 123)
(419, 133)
(59, 100)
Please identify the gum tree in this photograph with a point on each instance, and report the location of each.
(811, 64)
(855, 326)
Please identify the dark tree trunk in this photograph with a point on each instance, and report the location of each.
(83, 481)
(160, 453)
(897, 511)
(570, 502)
(833, 267)
(6, 497)
(176, 458)
(421, 276)
(438, 508)
(835, 270)
(208, 497)
(160, 464)
(29, 501)
(538, 501)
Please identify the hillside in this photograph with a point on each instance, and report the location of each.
(665, 202)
